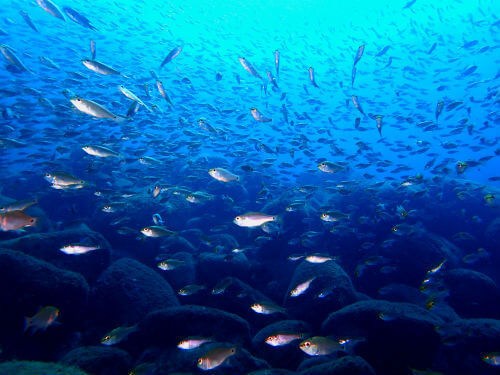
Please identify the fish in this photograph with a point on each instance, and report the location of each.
(20, 205)
(330, 167)
(15, 220)
(63, 179)
(78, 18)
(319, 345)
(190, 289)
(267, 308)
(353, 76)
(383, 51)
(223, 175)
(302, 287)
(356, 103)
(162, 91)
(283, 338)
(117, 335)
(51, 8)
(318, 258)
(359, 54)
(157, 218)
(253, 219)
(28, 19)
(78, 249)
(171, 55)
(259, 116)
(94, 109)
(439, 109)
(93, 50)
(9, 54)
(99, 151)
(433, 47)
(101, 68)
(409, 4)
(311, 77)
(491, 358)
(249, 67)
(277, 62)
(170, 264)
(156, 231)
(378, 120)
(192, 343)
(215, 357)
(43, 319)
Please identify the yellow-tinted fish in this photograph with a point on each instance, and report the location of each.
(301, 288)
(267, 308)
(215, 357)
(99, 151)
(223, 175)
(319, 345)
(42, 319)
(156, 231)
(281, 339)
(18, 205)
(192, 343)
(14, 220)
(117, 335)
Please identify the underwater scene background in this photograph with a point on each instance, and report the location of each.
(249, 187)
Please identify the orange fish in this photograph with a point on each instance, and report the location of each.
(14, 220)
(42, 319)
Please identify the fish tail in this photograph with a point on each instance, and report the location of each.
(27, 323)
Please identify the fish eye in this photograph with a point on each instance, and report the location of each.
(200, 361)
(307, 344)
(32, 220)
(237, 218)
(233, 350)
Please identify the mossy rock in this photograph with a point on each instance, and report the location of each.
(37, 368)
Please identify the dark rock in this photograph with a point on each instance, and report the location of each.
(177, 244)
(183, 275)
(397, 336)
(348, 365)
(331, 280)
(128, 290)
(287, 356)
(212, 267)
(472, 294)
(27, 283)
(37, 368)
(46, 246)
(464, 343)
(171, 325)
(98, 360)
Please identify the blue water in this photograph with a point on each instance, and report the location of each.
(403, 204)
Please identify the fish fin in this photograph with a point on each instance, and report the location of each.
(27, 324)
(120, 119)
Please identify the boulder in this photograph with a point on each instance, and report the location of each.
(98, 360)
(348, 365)
(37, 368)
(128, 290)
(396, 336)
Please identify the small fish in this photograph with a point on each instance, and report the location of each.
(162, 91)
(259, 116)
(28, 20)
(409, 4)
(353, 76)
(94, 109)
(361, 49)
(51, 8)
(215, 357)
(318, 258)
(277, 62)
(253, 219)
(99, 151)
(156, 231)
(171, 55)
(129, 94)
(218, 76)
(221, 286)
(78, 18)
(439, 109)
(77, 249)
(171, 264)
(157, 219)
(101, 68)
(92, 49)
(433, 47)
(281, 339)
(190, 289)
(248, 67)
(42, 319)
(378, 120)
(319, 345)
(9, 54)
(329, 167)
(491, 358)
(18, 205)
(301, 288)
(311, 77)
(221, 174)
(383, 51)
(267, 308)
(63, 180)
(15, 220)
(117, 335)
(192, 343)
(356, 103)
